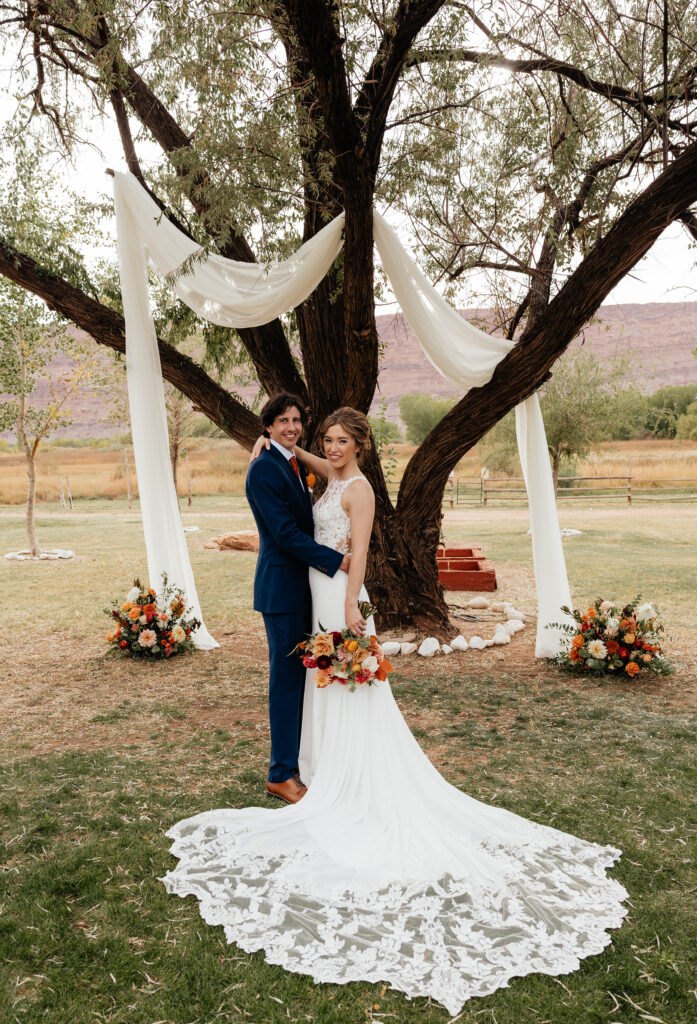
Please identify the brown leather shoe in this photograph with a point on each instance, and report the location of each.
(290, 791)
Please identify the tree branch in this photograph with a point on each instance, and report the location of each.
(107, 328)
(524, 369)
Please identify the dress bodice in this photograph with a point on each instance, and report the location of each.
(332, 525)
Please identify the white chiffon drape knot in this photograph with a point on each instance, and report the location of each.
(384, 872)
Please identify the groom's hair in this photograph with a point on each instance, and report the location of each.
(276, 405)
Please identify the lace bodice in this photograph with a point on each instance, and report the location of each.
(332, 525)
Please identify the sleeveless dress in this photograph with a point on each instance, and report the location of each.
(384, 872)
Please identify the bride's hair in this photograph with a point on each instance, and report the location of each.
(355, 424)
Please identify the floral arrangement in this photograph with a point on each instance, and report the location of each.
(151, 625)
(340, 657)
(607, 638)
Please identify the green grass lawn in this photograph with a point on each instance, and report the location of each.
(87, 932)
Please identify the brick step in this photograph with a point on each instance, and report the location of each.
(460, 553)
(461, 579)
(458, 563)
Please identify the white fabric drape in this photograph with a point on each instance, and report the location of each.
(547, 552)
(235, 294)
(165, 541)
(467, 357)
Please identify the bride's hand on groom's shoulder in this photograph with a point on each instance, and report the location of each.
(261, 442)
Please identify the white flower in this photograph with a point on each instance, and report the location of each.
(133, 594)
(646, 611)
(597, 649)
(371, 663)
(607, 606)
(612, 628)
(178, 634)
(147, 638)
(142, 620)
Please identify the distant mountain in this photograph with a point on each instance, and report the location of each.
(660, 336)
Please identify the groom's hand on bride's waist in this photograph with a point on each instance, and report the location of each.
(346, 564)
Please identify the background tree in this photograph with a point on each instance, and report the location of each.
(666, 406)
(553, 178)
(687, 424)
(421, 413)
(30, 338)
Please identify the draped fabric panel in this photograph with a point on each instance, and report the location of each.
(235, 294)
(165, 541)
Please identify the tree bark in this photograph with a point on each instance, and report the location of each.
(555, 471)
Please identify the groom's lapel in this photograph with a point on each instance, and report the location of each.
(288, 469)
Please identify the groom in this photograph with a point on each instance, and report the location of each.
(280, 500)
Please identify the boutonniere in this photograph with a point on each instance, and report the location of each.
(311, 480)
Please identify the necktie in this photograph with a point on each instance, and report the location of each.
(294, 464)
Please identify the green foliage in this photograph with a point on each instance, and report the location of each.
(687, 424)
(666, 406)
(421, 413)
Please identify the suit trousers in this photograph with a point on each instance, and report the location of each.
(284, 631)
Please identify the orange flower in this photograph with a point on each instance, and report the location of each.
(591, 613)
(321, 679)
(359, 655)
(384, 670)
(577, 640)
(134, 613)
(626, 624)
(631, 668)
(110, 637)
(629, 638)
(573, 654)
(646, 658)
(149, 609)
(351, 645)
(323, 644)
(311, 480)
(151, 592)
(126, 607)
(612, 646)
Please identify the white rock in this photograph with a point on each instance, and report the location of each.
(499, 606)
(390, 648)
(489, 642)
(502, 638)
(513, 613)
(429, 647)
(478, 602)
(513, 626)
(459, 643)
(407, 648)
(446, 648)
(477, 643)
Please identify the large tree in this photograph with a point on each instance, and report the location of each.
(547, 143)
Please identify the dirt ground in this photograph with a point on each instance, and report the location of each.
(56, 695)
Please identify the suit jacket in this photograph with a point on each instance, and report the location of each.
(282, 508)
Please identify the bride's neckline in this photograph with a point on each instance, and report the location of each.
(348, 480)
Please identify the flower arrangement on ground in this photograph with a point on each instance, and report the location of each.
(608, 638)
(340, 657)
(150, 624)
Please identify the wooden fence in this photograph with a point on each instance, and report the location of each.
(478, 491)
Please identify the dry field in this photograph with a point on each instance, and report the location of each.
(218, 467)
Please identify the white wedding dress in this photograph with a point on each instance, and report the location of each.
(384, 872)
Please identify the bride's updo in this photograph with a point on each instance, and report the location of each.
(355, 424)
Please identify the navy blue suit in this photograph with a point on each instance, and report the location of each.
(282, 507)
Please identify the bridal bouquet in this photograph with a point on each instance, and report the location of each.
(340, 657)
(607, 638)
(151, 625)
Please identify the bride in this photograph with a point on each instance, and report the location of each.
(384, 872)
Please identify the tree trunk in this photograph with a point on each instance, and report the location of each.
(555, 471)
(29, 450)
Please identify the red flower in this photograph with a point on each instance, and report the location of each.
(310, 662)
(623, 652)
(324, 662)
(123, 644)
(585, 626)
(337, 638)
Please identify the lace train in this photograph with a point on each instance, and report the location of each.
(552, 907)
